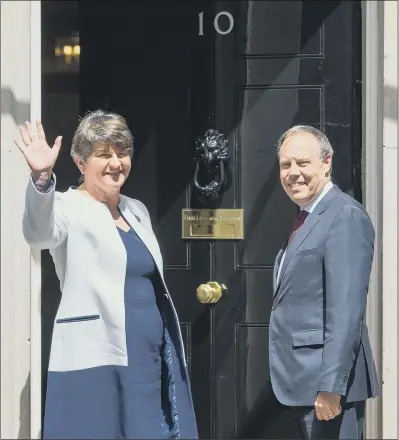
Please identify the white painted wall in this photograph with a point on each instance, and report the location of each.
(15, 254)
(20, 101)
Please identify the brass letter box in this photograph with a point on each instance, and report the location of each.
(213, 224)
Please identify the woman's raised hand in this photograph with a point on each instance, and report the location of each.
(39, 156)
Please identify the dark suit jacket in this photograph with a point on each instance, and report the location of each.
(318, 340)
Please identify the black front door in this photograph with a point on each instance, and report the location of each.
(174, 72)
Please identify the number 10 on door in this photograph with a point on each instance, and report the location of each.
(216, 23)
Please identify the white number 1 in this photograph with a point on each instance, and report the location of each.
(201, 24)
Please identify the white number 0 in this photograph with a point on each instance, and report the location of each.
(216, 23)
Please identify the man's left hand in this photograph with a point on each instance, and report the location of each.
(327, 405)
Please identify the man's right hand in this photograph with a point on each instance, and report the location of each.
(38, 155)
(327, 405)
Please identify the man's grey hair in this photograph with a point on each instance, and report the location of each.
(103, 128)
(325, 146)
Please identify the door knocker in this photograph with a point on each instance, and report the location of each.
(211, 153)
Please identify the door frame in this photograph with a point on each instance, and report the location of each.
(373, 191)
(379, 168)
(36, 266)
(372, 105)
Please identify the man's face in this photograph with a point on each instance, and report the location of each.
(302, 172)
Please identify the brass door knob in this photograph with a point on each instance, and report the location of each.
(211, 292)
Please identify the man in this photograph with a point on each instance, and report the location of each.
(321, 363)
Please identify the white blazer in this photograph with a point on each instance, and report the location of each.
(90, 261)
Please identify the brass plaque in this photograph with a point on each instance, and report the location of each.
(213, 224)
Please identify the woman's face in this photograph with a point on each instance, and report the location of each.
(107, 167)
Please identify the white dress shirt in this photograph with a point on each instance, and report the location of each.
(309, 208)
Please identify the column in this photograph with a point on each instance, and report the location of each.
(390, 409)
(20, 101)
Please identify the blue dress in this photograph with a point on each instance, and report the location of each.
(122, 402)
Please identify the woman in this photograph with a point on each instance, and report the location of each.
(117, 366)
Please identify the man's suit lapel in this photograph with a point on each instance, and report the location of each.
(301, 235)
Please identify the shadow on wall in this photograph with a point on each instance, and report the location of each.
(391, 102)
(24, 411)
(20, 111)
